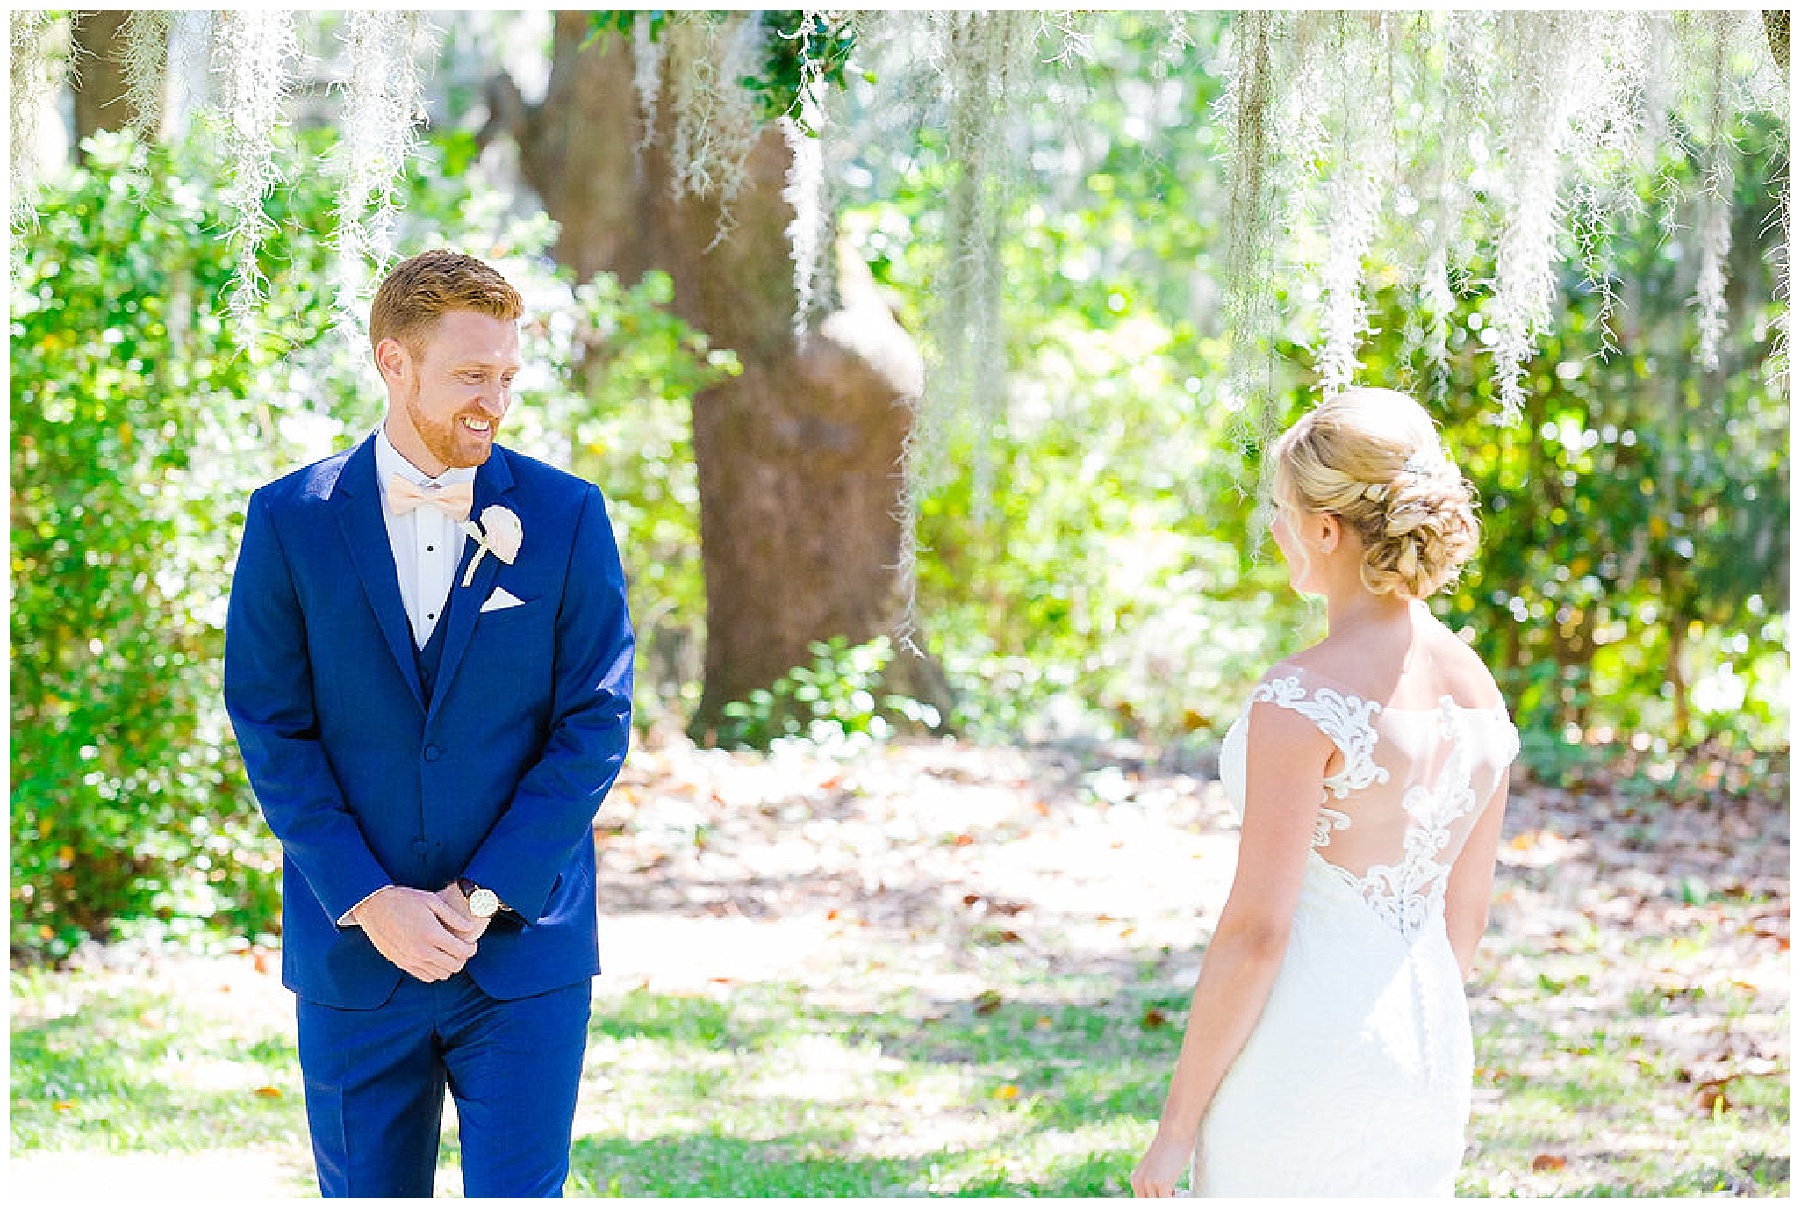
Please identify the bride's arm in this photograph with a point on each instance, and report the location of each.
(1471, 886)
(1286, 760)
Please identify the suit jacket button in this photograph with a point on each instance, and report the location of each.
(420, 846)
(432, 752)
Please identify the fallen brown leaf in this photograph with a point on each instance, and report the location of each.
(1546, 1162)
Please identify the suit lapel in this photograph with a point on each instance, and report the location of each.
(492, 483)
(358, 501)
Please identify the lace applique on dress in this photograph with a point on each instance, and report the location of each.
(1329, 820)
(1346, 720)
(1411, 892)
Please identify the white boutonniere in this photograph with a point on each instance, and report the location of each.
(499, 531)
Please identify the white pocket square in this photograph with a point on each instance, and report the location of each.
(501, 599)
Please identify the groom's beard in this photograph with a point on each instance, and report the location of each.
(449, 441)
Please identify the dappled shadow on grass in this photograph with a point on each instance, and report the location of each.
(1643, 1060)
(712, 1165)
(1027, 1098)
(1102, 1175)
(1071, 1064)
(1753, 1174)
(901, 1044)
(1037, 1037)
(111, 1074)
(1597, 1132)
(715, 1166)
(688, 1021)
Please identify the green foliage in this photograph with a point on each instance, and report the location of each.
(1094, 558)
(1633, 573)
(138, 432)
(624, 21)
(1088, 565)
(835, 702)
(802, 48)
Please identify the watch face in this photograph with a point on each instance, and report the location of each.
(483, 903)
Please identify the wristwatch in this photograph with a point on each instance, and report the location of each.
(483, 903)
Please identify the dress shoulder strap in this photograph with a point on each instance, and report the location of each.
(1345, 718)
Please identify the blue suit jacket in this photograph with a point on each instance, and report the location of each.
(497, 777)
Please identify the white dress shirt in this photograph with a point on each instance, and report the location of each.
(427, 544)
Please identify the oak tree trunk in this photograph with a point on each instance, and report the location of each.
(99, 76)
(798, 458)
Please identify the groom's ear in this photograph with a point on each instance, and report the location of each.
(394, 361)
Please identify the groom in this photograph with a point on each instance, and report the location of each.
(428, 665)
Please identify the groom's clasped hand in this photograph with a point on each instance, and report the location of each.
(429, 935)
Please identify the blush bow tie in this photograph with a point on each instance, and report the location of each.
(454, 500)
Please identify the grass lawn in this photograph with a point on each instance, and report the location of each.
(965, 973)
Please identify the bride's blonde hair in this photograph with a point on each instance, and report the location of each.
(1372, 458)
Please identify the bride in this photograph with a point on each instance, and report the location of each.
(1328, 1050)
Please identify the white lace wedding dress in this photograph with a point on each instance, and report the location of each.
(1356, 1079)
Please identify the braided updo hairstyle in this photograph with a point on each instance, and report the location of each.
(1372, 458)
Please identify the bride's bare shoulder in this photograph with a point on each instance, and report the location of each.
(1437, 663)
(1324, 666)
(1457, 670)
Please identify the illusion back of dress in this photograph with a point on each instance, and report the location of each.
(1411, 785)
(1356, 1077)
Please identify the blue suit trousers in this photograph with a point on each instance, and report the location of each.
(375, 1082)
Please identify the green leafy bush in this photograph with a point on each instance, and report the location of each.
(836, 702)
(138, 431)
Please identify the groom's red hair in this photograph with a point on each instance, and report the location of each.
(421, 290)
